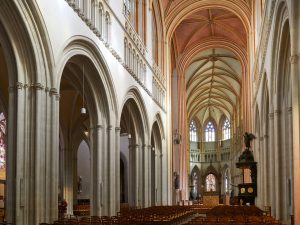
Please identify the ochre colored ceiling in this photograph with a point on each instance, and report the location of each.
(170, 5)
(209, 23)
(213, 73)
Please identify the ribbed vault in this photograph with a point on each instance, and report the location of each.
(213, 84)
(214, 74)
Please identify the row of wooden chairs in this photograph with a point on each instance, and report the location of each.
(228, 220)
(225, 210)
(148, 216)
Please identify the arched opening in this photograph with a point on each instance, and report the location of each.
(7, 122)
(283, 122)
(74, 134)
(133, 151)
(156, 166)
(85, 116)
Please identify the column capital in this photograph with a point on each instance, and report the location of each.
(290, 109)
(37, 86)
(109, 127)
(97, 127)
(261, 138)
(294, 59)
(18, 86)
(277, 112)
(271, 115)
(54, 93)
(118, 129)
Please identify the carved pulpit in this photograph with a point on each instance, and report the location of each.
(248, 189)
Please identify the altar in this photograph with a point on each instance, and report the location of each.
(211, 199)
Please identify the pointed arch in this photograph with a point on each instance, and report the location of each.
(133, 97)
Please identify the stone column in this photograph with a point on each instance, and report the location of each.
(295, 69)
(164, 173)
(146, 185)
(54, 151)
(159, 179)
(138, 172)
(111, 185)
(131, 196)
(266, 171)
(16, 174)
(96, 144)
(277, 162)
(272, 164)
(148, 152)
(117, 177)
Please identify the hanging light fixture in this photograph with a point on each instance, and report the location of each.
(83, 109)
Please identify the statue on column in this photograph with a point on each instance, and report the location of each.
(248, 137)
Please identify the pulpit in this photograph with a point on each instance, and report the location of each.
(248, 189)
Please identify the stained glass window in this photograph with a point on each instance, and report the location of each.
(210, 132)
(193, 132)
(226, 130)
(210, 182)
(2, 140)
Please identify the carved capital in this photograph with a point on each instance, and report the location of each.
(118, 129)
(53, 92)
(294, 59)
(19, 85)
(277, 112)
(37, 86)
(271, 115)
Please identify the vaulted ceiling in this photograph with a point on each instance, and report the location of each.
(213, 85)
(210, 45)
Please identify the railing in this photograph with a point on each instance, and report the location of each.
(196, 156)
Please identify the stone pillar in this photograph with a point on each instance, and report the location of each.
(111, 185)
(131, 196)
(266, 171)
(148, 152)
(295, 69)
(16, 192)
(117, 177)
(164, 173)
(159, 179)
(96, 142)
(272, 164)
(146, 185)
(136, 176)
(105, 171)
(277, 162)
(54, 151)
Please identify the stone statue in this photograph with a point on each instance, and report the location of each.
(248, 137)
